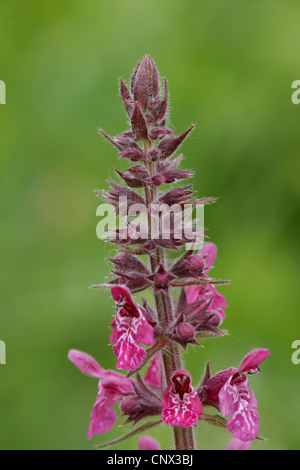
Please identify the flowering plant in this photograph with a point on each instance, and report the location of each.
(166, 390)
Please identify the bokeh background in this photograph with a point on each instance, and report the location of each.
(230, 66)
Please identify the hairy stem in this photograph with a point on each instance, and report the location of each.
(171, 360)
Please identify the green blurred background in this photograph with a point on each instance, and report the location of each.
(230, 66)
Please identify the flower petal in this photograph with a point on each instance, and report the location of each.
(181, 404)
(103, 420)
(86, 364)
(102, 417)
(179, 416)
(253, 360)
(209, 253)
(129, 354)
(219, 300)
(148, 443)
(142, 330)
(229, 398)
(244, 423)
(236, 444)
(244, 391)
(216, 382)
(192, 294)
(153, 374)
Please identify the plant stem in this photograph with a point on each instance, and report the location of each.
(171, 360)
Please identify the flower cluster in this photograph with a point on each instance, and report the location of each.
(147, 337)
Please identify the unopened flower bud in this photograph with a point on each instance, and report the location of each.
(196, 263)
(130, 406)
(145, 82)
(185, 332)
(157, 180)
(189, 266)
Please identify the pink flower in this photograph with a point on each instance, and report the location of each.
(181, 404)
(148, 443)
(153, 374)
(237, 398)
(112, 386)
(208, 292)
(130, 328)
(236, 444)
(230, 392)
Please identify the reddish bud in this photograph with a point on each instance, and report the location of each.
(130, 406)
(185, 332)
(145, 82)
(158, 180)
(161, 279)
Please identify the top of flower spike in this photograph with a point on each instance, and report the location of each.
(148, 139)
(143, 97)
(145, 82)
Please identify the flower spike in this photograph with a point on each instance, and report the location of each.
(156, 245)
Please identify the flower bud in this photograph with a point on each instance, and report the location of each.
(145, 82)
(130, 406)
(185, 332)
(157, 180)
(189, 266)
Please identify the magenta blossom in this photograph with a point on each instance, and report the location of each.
(130, 329)
(181, 404)
(148, 443)
(208, 292)
(237, 398)
(236, 444)
(153, 374)
(230, 392)
(112, 386)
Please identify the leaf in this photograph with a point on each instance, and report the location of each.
(216, 420)
(195, 282)
(140, 429)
